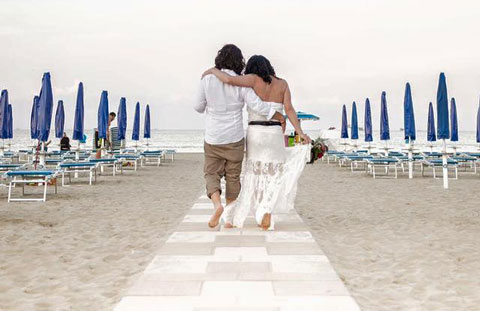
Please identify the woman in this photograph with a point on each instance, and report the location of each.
(271, 172)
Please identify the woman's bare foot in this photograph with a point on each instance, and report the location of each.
(228, 225)
(267, 218)
(215, 219)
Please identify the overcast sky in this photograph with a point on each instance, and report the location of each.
(330, 52)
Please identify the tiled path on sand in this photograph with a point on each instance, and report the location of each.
(203, 269)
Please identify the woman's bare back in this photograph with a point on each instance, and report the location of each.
(271, 92)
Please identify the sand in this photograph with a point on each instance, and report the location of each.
(83, 248)
(397, 244)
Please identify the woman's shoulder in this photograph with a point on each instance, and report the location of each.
(281, 83)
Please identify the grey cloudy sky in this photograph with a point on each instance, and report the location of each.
(330, 52)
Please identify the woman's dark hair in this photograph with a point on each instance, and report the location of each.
(230, 57)
(260, 65)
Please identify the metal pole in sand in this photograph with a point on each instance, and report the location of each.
(445, 167)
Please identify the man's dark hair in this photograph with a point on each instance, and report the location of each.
(230, 57)
(113, 114)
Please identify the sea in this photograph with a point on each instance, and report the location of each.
(191, 141)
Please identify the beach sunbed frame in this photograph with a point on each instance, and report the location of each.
(30, 177)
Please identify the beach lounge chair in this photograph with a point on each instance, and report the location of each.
(129, 158)
(356, 160)
(152, 156)
(108, 162)
(67, 168)
(438, 163)
(346, 158)
(466, 162)
(432, 155)
(386, 163)
(5, 167)
(332, 155)
(170, 152)
(22, 177)
(417, 160)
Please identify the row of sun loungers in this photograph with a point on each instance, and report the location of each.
(22, 168)
(383, 164)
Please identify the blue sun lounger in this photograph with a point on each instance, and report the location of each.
(466, 162)
(152, 156)
(129, 158)
(438, 163)
(67, 168)
(23, 177)
(5, 167)
(334, 155)
(387, 163)
(108, 162)
(357, 159)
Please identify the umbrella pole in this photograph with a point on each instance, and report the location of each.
(77, 157)
(410, 159)
(445, 167)
(42, 154)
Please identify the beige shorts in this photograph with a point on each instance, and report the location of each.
(224, 161)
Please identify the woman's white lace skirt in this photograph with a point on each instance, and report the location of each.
(270, 175)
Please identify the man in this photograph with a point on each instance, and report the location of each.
(224, 135)
(107, 143)
(65, 142)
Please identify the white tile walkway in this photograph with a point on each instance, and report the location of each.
(203, 269)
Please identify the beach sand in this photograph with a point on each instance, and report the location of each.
(397, 244)
(83, 248)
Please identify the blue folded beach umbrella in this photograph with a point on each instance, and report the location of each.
(103, 115)
(34, 118)
(453, 120)
(59, 120)
(10, 122)
(368, 122)
(431, 135)
(478, 124)
(136, 123)
(4, 115)
(122, 118)
(384, 126)
(344, 132)
(408, 115)
(79, 114)
(306, 116)
(443, 130)
(45, 108)
(146, 125)
(354, 129)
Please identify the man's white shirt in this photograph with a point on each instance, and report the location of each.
(223, 105)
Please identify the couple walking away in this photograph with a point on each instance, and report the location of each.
(271, 170)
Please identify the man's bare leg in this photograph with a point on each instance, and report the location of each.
(217, 204)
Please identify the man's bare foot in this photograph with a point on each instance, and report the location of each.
(228, 225)
(215, 219)
(267, 218)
